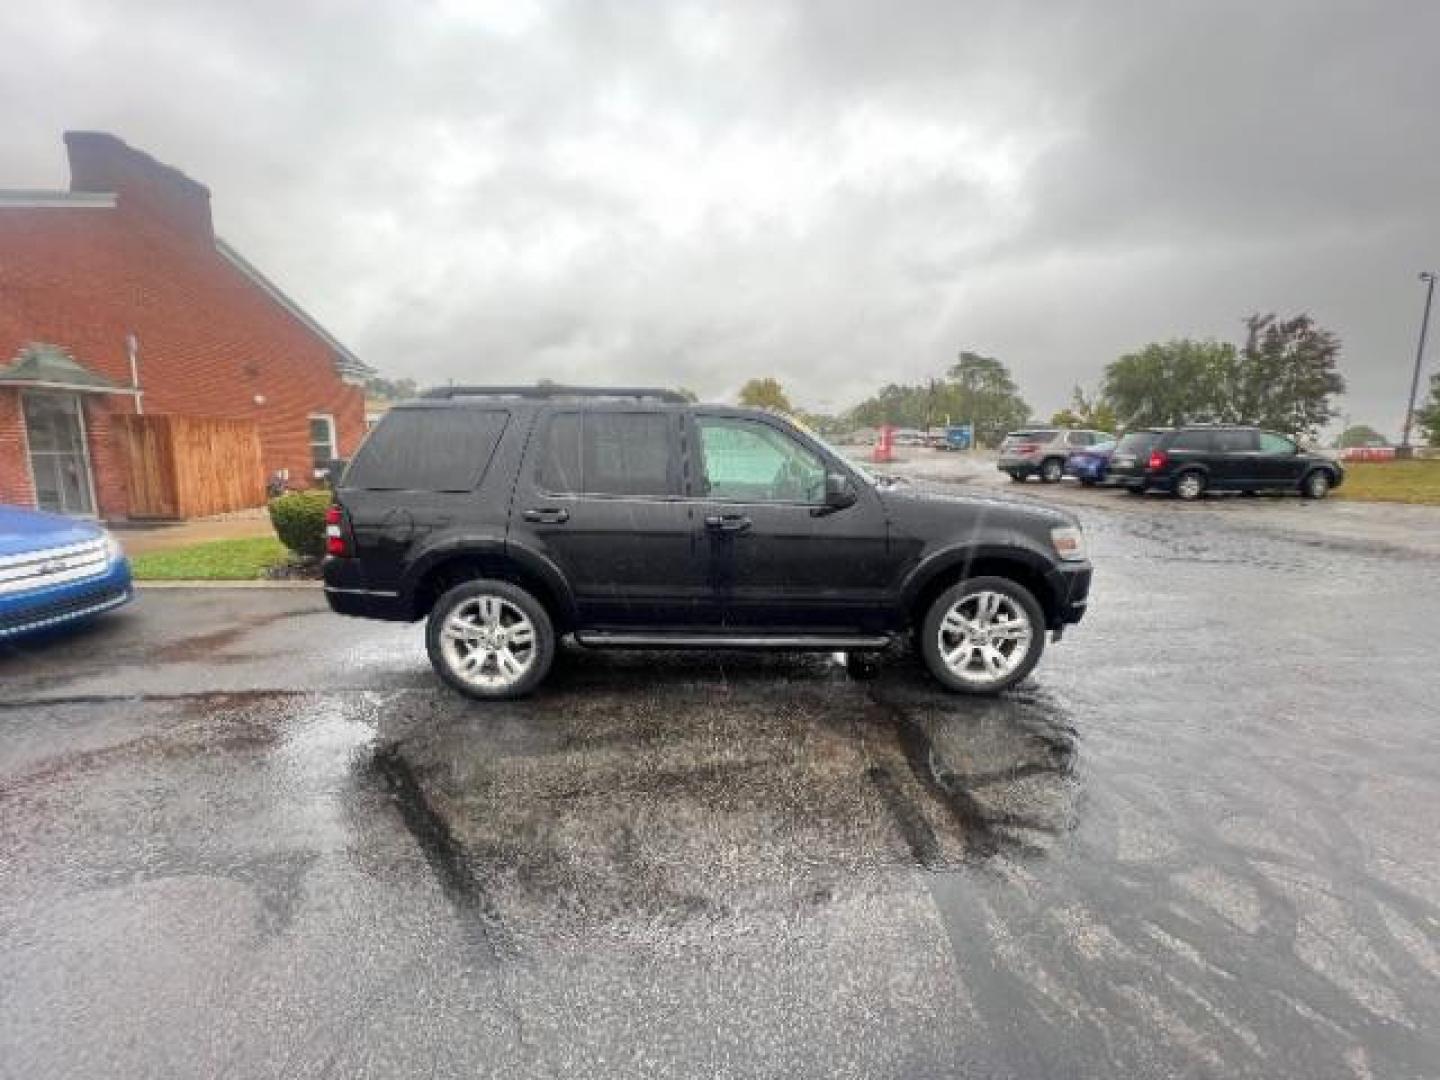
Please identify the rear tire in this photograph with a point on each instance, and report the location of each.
(1189, 486)
(1051, 470)
(490, 640)
(1134, 491)
(982, 635)
(1317, 484)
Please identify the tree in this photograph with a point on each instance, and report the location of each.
(765, 393)
(986, 396)
(1428, 415)
(688, 394)
(1286, 375)
(1086, 411)
(1360, 435)
(1171, 383)
(389, 389)
(977, 389)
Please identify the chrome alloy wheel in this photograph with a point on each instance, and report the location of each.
(984, 637)
(488, 642)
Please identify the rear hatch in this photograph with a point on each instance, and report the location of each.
(1132, 452)
(1024, 444)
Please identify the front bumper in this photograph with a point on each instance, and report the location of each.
(1070, 587)
(47, 608)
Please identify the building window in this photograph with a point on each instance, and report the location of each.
(323, 448)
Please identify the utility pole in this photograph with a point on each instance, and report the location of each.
(1405, 450)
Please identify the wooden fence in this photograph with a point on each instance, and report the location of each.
(185, 467)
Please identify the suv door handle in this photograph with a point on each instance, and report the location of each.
(732, 523)
(549, 515)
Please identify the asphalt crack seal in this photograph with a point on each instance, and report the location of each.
(444, 853)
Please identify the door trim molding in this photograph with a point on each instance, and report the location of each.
(799, 642)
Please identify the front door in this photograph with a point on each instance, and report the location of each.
(59, 459)
(780, 560)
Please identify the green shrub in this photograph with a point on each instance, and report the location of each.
(299, 520)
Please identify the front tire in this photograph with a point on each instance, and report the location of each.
(983, 635)
(1017, 476)
(490, 640)
(1051, 471)
(1317, 485)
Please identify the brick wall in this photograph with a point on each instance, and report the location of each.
(15, 485)
(211, 341)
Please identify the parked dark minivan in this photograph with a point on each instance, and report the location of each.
(1190, 461)
(509, 517)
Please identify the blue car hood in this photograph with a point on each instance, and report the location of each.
(23, 531)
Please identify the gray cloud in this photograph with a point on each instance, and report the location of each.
(839, 194)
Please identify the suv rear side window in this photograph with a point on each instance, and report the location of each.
(1235, 441)
(427, 450)
(750, 461)
(610, 453)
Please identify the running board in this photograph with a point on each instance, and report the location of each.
(821, 642)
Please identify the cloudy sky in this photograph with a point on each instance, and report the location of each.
(836, 192)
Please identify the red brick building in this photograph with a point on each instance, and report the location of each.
(116, 297)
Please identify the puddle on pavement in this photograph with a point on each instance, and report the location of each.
(696, 789)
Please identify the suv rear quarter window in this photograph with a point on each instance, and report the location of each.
(1197, 441)
(427, 450)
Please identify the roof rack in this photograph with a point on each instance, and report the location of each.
(639, 393)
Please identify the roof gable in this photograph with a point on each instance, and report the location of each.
(349, 366)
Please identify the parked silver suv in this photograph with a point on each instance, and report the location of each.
(1042, 451)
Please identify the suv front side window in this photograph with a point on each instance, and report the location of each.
(1276, 444)
(750, 461)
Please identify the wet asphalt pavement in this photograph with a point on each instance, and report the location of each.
(242, 837)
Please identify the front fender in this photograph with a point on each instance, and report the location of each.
(948, 561)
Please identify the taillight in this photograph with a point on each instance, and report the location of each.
(335, 532)
(1026, 447)
(1157, 460)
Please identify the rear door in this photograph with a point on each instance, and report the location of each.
(1236, 450)
(601, 497)
(781, 561)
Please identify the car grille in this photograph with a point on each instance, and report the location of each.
(55, 566)
(34, 618)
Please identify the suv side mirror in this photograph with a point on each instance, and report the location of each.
(839, 491)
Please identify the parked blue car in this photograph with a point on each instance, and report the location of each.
(1090, 465)
(56, 570)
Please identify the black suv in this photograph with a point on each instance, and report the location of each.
(630, 518)
(1189, 461)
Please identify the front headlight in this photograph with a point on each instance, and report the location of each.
(1069, 542)
(113, 551)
